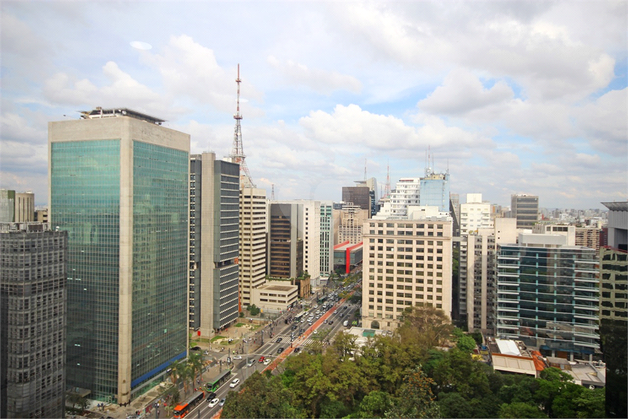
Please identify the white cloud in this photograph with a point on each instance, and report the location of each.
(318, 80)
(462, 92)
(605, 123)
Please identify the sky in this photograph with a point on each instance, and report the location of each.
(509, 96)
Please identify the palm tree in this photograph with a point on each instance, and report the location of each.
(195, 364)
(180, 373)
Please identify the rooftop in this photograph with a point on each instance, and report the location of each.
(118, 112)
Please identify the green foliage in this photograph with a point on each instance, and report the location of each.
(262, 396)
(520, 410)
(415, 398)
(453, 405)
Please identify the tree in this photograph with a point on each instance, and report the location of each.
(261, 396)
(374, 405)
(453, 405)
(344, 344)
(415, 398)
(425, 327)
(195, 364)
(520, 410)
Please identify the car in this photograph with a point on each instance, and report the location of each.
(221, 403)
(297, 349)
(210, 396)
(331, 322)
(279, 340)
(214, 402)
(279, 350)
(261, 359)
(250, 363)
(234, 383)
(237, 357)
(267, 361)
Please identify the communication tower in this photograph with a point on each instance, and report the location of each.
(237, 154)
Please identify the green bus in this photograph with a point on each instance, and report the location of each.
(222, 378)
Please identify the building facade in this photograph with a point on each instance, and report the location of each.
(474, 214)
(406, 262)
(33, 317)
(253, 237)
(525, 208)
(311, 227)
(327, 238)
(118, 185)
(434, 190)
(348, 223)
(548, 296)
(614, 309)
(357, 195)
(24, 207)
(214, 243)
(285, 247)
(588, 237)
(7, 206)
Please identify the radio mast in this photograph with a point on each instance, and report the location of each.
(237, 154)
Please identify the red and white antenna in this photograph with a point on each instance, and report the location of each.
(237, 153)
(387, 190)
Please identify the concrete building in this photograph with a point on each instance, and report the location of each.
(614, 308)
(7, 206)
(406, 262)
(24, 207)
(406, 193)
(285, 246)
(588, 237)
(311, 227)
(327, 238)
(474, 214)
(214, 243)
(547, 295)
(357, 195)
(373, 193)
(478, 289)
(348, 223)
(568, 231)
(274, 296)
(33, 319)
(41, 215)
(253, 238)
(118, 185)
(347, 256)
(525, 208)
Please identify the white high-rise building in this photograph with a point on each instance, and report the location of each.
(327, 238)
(253, 232)
(474, 214)
(312, 239)
(405, 193)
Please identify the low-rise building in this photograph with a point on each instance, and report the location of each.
(274, 296)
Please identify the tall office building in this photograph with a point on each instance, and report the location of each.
(214, 243)
(327, 238)
(118, 185)
(373, 194)
(525, 208)
(285, 247)
(588, 237)
(357, 195)
(477, 282)
(311, 227)
(348, 224)
(24, 207)
(614, 308)
(406, 262)
(253, 237)
(33, 319)
(434, 190)
(7, 206)
(548, 296)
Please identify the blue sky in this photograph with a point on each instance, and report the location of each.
(515, 96)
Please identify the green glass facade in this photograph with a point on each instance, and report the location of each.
(85, 195)
(160, 205)
(86, 179)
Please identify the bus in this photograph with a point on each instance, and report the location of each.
(222, 378)
(184, 408)
(299, 317)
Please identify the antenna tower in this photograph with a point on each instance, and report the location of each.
(237, 154)
(365, 169)
(272, 193)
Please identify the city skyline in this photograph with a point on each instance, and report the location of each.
(511, 97)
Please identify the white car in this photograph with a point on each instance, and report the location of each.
(267, 361)
(214, 402)
(237, 357)
(234, 383)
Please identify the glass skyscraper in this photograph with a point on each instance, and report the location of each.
(119, 187)
(434, 190)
